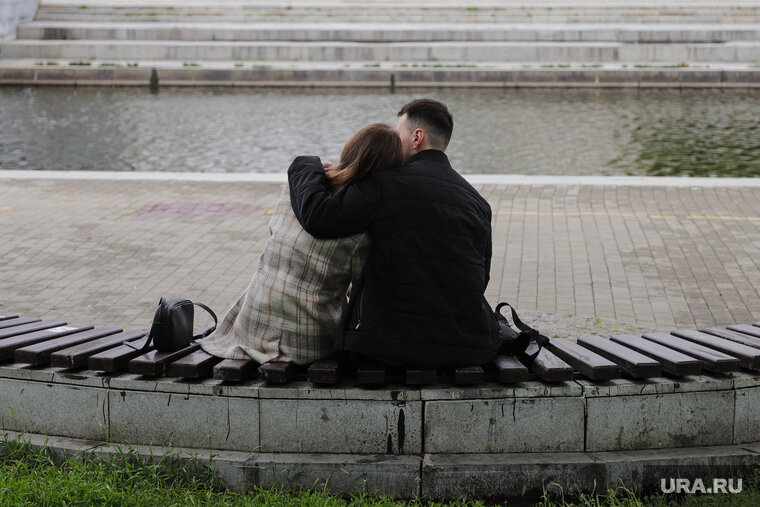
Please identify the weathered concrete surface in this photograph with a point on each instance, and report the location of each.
(446, 52)
(230, 73)
(494, 477)
(562, 11)
(183, 420)
(53, 409)
(747, 415)
(387, 32)
(665, 385)
(617, 415)
(630, 468)
(342, 426)
(13, 13)
(397, 476)
(660, 420)
(511, 425)
(529, 389)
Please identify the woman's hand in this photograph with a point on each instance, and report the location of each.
(326, 165)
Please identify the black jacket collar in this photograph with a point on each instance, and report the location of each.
(433, 155)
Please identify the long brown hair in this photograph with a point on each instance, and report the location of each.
(376, 146)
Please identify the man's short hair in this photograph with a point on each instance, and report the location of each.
(433, 117)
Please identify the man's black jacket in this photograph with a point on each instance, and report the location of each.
(420, 299)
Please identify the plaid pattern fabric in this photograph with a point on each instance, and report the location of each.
(292, 309)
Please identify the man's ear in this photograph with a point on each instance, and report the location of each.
(418, 136)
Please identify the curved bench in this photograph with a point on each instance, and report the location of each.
(442, 440)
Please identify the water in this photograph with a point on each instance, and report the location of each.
(528, 131)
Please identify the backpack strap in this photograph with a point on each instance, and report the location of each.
(144, 347)
(526, 330)
(212, 328)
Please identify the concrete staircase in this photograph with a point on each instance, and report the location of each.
(386, 41)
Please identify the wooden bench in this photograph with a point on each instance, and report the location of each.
(35, 343)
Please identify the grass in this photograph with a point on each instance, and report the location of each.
(30, 476)
(663, 66)
(81, 63)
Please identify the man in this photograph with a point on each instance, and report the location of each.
(420, 298)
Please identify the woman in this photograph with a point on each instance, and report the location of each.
(293, 306)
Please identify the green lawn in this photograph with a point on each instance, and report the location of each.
(29, 476)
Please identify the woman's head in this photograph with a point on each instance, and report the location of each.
(376, 146)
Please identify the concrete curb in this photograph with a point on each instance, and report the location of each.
(477, 179)
(384, 77)
(431, 476)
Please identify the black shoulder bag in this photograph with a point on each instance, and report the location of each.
(172, 327)
(517, 342)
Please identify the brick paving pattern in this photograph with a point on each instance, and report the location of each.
(104, 251)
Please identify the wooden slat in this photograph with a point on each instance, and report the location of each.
(746, 329)
(549, 367)
(114, 359)
(734, 336)
(199, 364)
(588, 363)
(39, 353)
(370, 372)
(510, 370)
(469, 375)
(29, 328)
(236, 370)
(277, 372)
(6, 316)
(16, 321)
(712, 360)
(749, 357)
(76, 356)
(672, 361)
(420, 376)
(154, 362)
(9, 345)
(633, 363)
(325, 371)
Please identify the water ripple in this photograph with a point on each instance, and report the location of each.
(537, 131)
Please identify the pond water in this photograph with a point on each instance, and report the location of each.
(654, 132)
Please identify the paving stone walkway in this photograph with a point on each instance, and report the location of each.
(577, 258)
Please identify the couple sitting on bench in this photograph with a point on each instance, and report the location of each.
(393, 225)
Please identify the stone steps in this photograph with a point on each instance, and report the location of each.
(445, 42)
(388, 32)
(445, 52)
(430, 11)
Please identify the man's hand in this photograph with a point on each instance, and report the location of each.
(326, 165)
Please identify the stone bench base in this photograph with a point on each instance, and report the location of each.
(535, 417)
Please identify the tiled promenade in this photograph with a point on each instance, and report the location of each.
(102, 251)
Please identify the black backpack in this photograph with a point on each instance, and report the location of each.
(172, 327)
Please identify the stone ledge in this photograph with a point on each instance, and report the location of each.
(431, 476)
(499, 476)
(383, 77)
